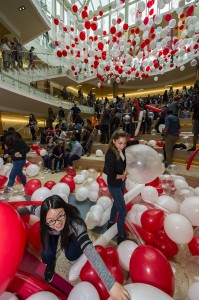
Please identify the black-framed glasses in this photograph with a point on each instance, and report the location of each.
(59, 219)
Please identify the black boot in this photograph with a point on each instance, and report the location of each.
(109, 224)
(49, 272)
(121, 239)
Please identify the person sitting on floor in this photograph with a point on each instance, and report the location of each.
(58, 155)
(74, 154)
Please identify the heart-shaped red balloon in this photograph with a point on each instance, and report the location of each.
(89, 274)
(12, 244)
(148, 265)
(147, 236)
(152, 219)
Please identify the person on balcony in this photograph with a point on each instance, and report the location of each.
(33, 126)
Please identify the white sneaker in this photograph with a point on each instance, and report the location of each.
(45, 169)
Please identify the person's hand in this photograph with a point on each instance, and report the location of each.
(18, 154)
(5, 156)
(118, 292)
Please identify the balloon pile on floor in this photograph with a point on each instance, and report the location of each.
(163, 211)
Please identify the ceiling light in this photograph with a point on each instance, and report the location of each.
(93, 88)
(140, 90)
(21, 8)
(168, 85)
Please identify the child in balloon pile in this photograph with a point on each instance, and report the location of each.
(60, 219)
(114, 168)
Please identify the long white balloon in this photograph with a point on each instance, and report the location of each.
(106, 237)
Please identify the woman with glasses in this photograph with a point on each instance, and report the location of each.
(59, 219)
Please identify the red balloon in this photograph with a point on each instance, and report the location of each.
(3, 180)
(101, 250)
(12, 244)
(70, 171)
(82, 35)
(49, 184)
(159, 189)
(18, 179)
(160, 143)
(168, 248)
(113, 30)
(34, 236)
(104, 191)
(147, 236)
(153, 183)
(75, 8)
(152, 219)
(31, 186)
(148, 265)
(88, 274)
(59, 54)
(27, 164)
(69, 181)
(112, 256)
(125, 26)
(34, 147)
(56, 21)
(101, 181)
(194, 245)
(168, 17)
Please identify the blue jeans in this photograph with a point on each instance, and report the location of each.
(17, 171)
(119, 207)
(72, 251)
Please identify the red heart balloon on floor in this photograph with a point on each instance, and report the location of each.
(3, 180)
(147, 236)
(152, 219)
(12, 244)
(69, 180)
(148, 265)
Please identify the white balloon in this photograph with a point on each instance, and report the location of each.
(182, 68)
(8, 296)
(149, 194)
(180, 184)
(32, 170)
(197, 191)
(193, 291)
(43, 152)
(93, 196)
(1, 163)
(141, 6)
(152, 143)
(193, 63)
(178, 228)
(168, 203)
(94, 186)
(190, 209)
(81, 193)
(84, 291)
(125, 250)
(43, 295)
(99, 153)
(156, 78)
(79, 178)
(141, 291)
(41, 194)
(64, 196)
(60, 187)
(105, 202)
(85, 173)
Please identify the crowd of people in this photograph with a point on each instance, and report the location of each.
(14, 54)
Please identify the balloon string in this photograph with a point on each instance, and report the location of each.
(132, 228)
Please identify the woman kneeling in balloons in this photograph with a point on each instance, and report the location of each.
(60, 219)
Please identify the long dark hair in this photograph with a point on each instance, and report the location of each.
(13, 138)
(72, 217)
(116, 136)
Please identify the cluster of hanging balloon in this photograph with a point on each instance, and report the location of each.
(125, 53)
